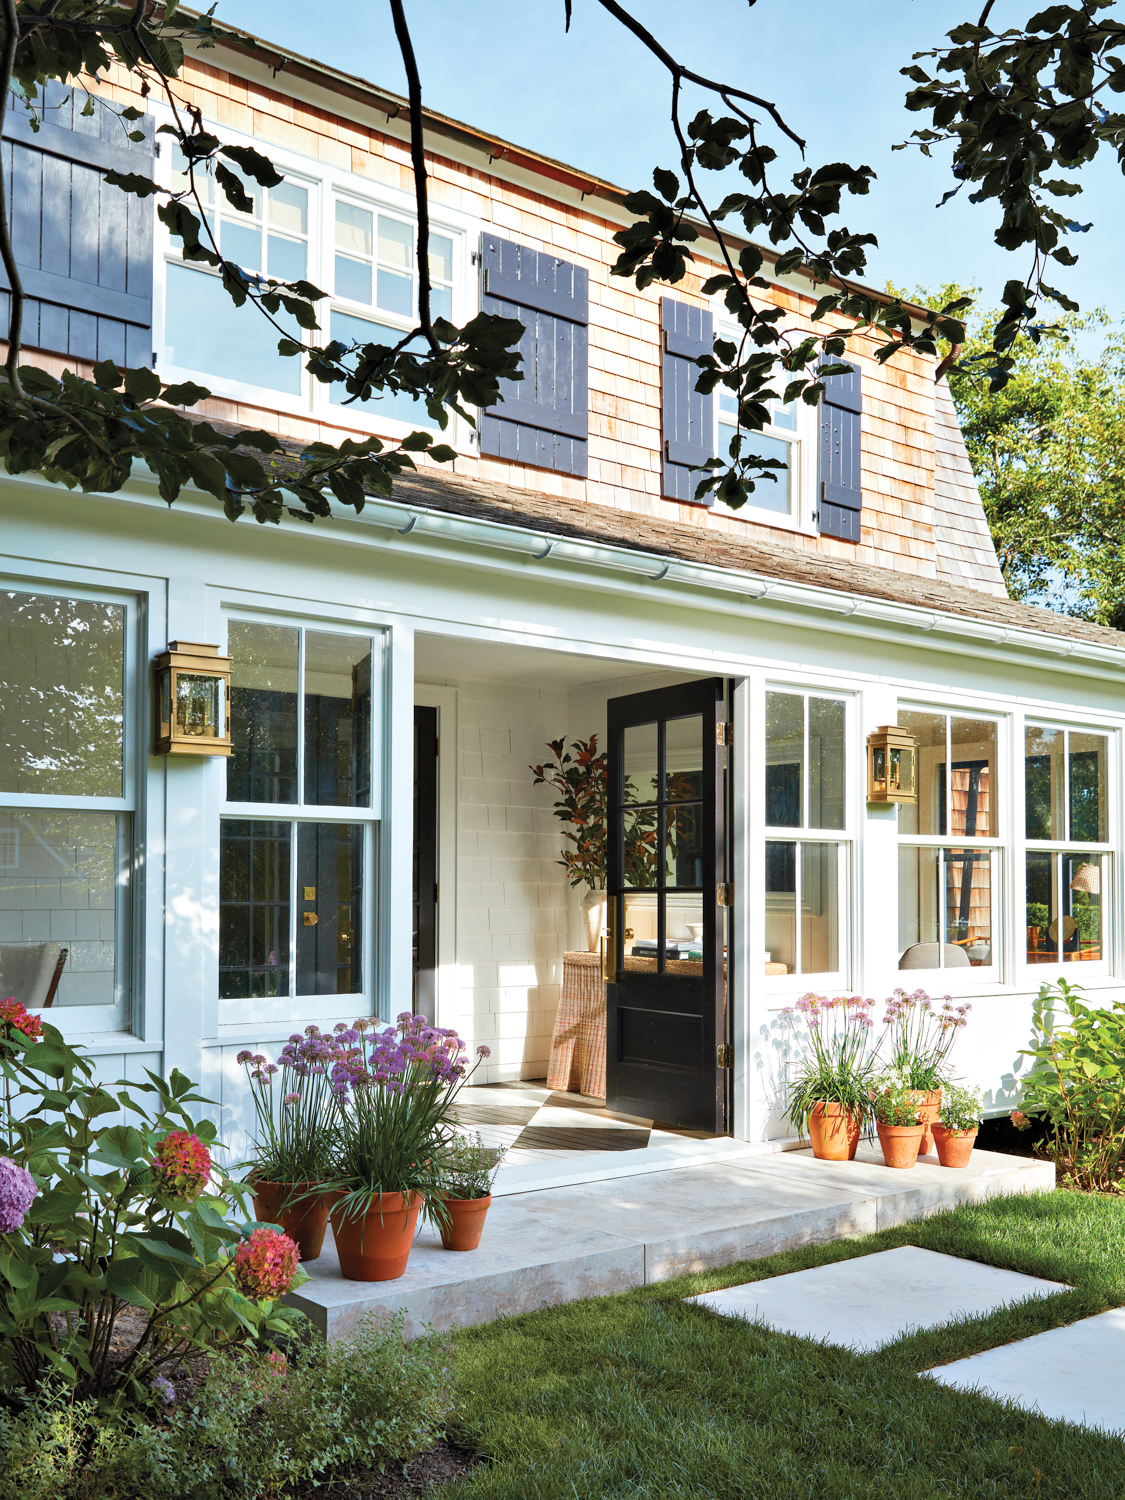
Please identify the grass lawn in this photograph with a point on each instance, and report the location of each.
(644, 1395)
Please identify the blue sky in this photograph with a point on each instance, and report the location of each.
(596, 99)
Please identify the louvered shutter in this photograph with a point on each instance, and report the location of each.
(689, 418)
(543, 418)
(84, 248)
(841, 493)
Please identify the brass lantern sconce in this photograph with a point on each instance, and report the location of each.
(192, 695)
(892, 765)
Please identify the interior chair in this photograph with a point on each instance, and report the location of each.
(30, 972)
(925, 956)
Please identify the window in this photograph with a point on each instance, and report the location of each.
(66, 810)
(1067, 863)
(949, 845)
(805, 875)
(779, 440)
(297, 843)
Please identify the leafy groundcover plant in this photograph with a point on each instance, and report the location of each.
(1077, 1088)
(836, 1058)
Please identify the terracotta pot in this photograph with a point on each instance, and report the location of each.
(466, 1222)
(833, 1131)
(900, 1143)
(375, 1246)
(954, 1147)
(929, 1108)
(303, 1221)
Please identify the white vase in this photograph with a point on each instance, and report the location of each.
(593, 917)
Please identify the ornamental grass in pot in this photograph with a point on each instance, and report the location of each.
(394, 1092)
(919, 1033)
(829, 1089)
(955, 1130)
(897, 1122)
(466, 1171)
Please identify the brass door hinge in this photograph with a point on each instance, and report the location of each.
(724, 1055)
(724, 894)
(724, 734)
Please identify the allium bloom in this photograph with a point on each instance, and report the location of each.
(14, 1016)
(163, 1387)
(265, 1264)
(183, 1164)
(17, 1192)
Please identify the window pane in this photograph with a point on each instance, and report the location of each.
(204, 331)
(968, 904)
(396, 243)
(770, 494)
(1086, 763)
(820, 908)
(263, 713)
(785, 416)
(683, 953)
(785, 754)
(973, 778)
(353, 229)
(337, 719)
(396, 404)
(826, 763)
(253, 908)
(241, 243)
(289, 207)
(727, 435)
(781, 907)
(62, 664)
(640, 764)
(61, 876)
(353, 280)
(918, 906)
(1042, 908)
(330, 906)
(287, 259)
(640, 847)
(396, 293)
(441, 303)
(683, 756)
(441, 257)
(684, 847)
(1082, 893)
(928, 816)
(204, 181)
(249, 187)
(1043, 782)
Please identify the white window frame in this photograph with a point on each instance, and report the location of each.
(85, 1020)
(843, 838)
(992, 973)
(236, 1014)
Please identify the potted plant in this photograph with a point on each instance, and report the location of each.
(898, 1123)
(917, 1039)
(394, 1093)
(830, 1085)
(955, 1130)
(580, 781)
(292, 1151)
(466, 1170)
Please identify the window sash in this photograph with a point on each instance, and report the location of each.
(801, 920)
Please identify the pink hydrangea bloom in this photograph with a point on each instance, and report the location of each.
(265, 1264)
(17, 1192)
(15, 1016)
(182, 1164)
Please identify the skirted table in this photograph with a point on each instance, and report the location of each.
(577, 1064)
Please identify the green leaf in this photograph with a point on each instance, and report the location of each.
(254, 164)
(132, 182)
(667, 184)
(142, 383)
(134, 1282)
(186, 393)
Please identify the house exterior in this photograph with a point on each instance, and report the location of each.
(394, 675)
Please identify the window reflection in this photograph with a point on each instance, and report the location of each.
(263, 761)
(945, 908)
(1064, 906)
(785, 760)
(802, 908)
(337, 720)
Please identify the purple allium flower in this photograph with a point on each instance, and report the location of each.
(17, 1193)
(292, 1099)
(163, 1387)
(243, 1057)
(483, 1051)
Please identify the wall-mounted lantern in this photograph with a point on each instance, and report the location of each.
(892, 765)
(192, 693)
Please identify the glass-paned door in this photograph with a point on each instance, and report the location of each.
(667, 958)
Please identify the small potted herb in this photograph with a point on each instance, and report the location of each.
(898, 1123)
(466, 1170)
(955, 1130)
(829, 1092)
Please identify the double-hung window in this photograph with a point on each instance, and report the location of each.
(1068, 863)
(297, 838)
(67, 663)
(949, 850)
(807, 848)
(782, 500)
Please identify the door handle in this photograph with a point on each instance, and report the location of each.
(310, 918)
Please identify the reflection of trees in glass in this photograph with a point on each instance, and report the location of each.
(62, 665)
(1087, 912)
(642, 830)
(1085, 802)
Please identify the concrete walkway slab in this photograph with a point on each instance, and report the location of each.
(610, 1234)
(1074, 1374)
(870, 1301)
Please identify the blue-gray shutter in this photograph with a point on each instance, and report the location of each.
(543, 418)
(689, 418)
(84, 248)
(841, 493)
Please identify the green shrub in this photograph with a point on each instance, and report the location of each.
(1037, 914)
(1077, 1087)
(61, 1449)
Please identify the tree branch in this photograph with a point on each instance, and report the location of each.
(7, 254)
(418, 157)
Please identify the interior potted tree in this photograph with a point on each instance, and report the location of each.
(829, 1088)
(918, 1037)
(897, 1122)
(466, 1171)
(955, 1130)
(578, 776)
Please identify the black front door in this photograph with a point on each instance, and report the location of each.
(666, 959)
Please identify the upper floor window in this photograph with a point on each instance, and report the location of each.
(779, 495)
(376, 265)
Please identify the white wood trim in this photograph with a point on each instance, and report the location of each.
(444, 699)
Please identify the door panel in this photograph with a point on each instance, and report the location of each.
(666, 959)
